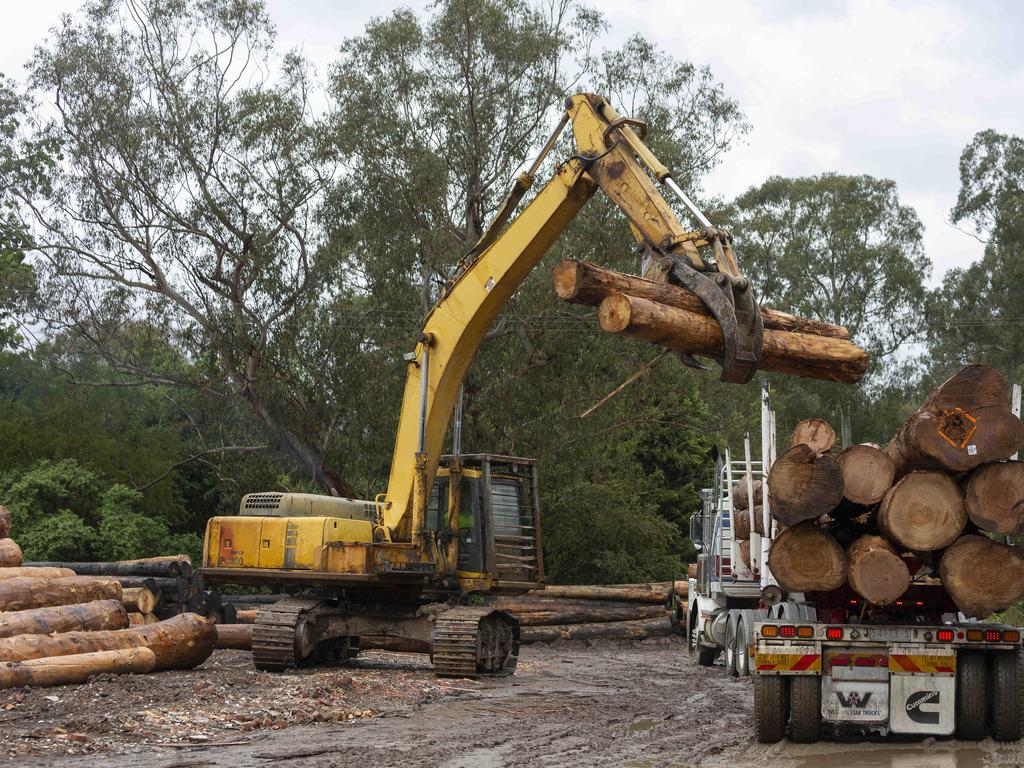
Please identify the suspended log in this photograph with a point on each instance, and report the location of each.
(966, 421)
(804, 485)
(97, 615)
(69, 670)
(806, 558)
(923, 512)
(139, 599)
(867, 474)
(741, 522)
(982, 576)
(18, 572)
(588, 592)
(636, 630)
(246, 616)
(581, 282)
(24, 593)
(165, 567)
(236, 636)
(10, 553)
(797, 354)
(994, 496)
(183, 642)
(738, 494)
(876, 571)
(5, 523)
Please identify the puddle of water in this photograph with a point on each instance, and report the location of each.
(933, 756)
(638, 726)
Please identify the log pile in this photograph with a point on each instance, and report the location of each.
(674, 317)
(932, 508)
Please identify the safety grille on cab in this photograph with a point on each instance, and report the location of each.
(262, 501)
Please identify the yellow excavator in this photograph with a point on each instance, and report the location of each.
(448, 527)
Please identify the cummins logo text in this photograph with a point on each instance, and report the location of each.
(923, 707)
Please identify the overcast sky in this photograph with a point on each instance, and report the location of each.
(893, 89)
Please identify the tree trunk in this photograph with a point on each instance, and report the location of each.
(5, 523)
(680, 587)
(24, 593)
(10, 553)
(172, 567)
(994, 496)
(69, 670)
(923, 512)
(867, 474)
(738, 494)
(741, 522)
(138, 599)
(236, 636)
(97, 615)
(805, 558)
(587, 592)
(580, 282)
(982, 576)
(804, 485)
(536, 611)
(966, 421)
(875, 570)
(618, 629)
(817, 434)
(797, 354)
(184, 642)
(20, 572)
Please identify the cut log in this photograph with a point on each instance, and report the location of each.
(806, 558)
(744, 547)
(69, 670)
(24, 593)
(741, 522)
(246, 615)
(136, 619)
(636, 630)
(5, 523)
(875, 570)
(236, 636)
(994, 496)
(578, 612)
(923, 512)
(804, 485)
(654, 586)
(581, 282)
(166, 567)
(815, 433)
(252, 599)
(867, 474)
(797, 354)
(97, 615)
(18, 572)
(691, 571)
(738, 494)
(966, 421)
(982, 576)
(10, 553)
(183, 642)
(139, 599)
(587, 592)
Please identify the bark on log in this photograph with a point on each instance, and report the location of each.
(97, 615)
(923, 512)
(246, 616)
(741, 522)
(534, 612)
(183, 642)
(816, 433)
(24, 593)
(5, 523)
(738, 494)
(620, 629)
(69, 670)
(982, 576)
(867, 474)
(10, 553)
(588, 592)
(655, 586)
(581, 282)
(804, 485)
(797, 354)
(994, 496)
(19, 572)
(806, 558)
(138, 599)
(236, 636)
(875, 570)
(165, 567)
(966, 421)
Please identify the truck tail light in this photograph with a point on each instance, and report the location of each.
(769, 630)
(787, 631)
(834, 633)
(805, 631)
(944, 635)
(993, 635)
(1011, 636)
(975, 635)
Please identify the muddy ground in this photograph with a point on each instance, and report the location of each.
(571, 704)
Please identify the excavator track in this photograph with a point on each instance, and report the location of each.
(474, 642)
(279, 636)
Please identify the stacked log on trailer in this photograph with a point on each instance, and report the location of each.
(934, 507)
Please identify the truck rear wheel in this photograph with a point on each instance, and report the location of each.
(731, 631)
(1005, 692)
(805, 708)
(770, 708)
(971, 696)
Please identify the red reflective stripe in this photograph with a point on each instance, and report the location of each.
(906, 663)
(766, 666)
(805, 662)
(944, 669)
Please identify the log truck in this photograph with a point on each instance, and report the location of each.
(405, 563)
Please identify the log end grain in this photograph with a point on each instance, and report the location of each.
(815, 433)
(804, 485)
(5, 523)
(994, 496)
(867, 474)
(10, 554)
(923, 512)
(875, 571)
(982, 576)
(806, 558)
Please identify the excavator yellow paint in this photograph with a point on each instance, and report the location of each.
(277, 542)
